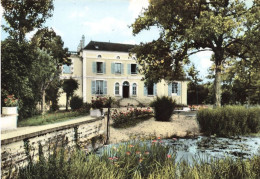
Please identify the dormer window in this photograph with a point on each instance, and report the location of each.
(96, 46)
(99, 56)
(117, 57)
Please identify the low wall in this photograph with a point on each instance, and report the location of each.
(15, 151)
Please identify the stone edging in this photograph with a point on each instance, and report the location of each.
(42, 132)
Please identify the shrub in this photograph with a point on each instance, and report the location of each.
(101, 102)
(130, 117)
(229, 121)
(163, 108)
(76, 102)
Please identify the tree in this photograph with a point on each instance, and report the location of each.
(16, 75)
(55, 56)
(242, 80)
(25, 15)
(69, 86)
(189, 26)
(193, 85)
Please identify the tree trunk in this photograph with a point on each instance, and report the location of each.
(218, 86)
(219, 58)
(67, 101)
(43, 102)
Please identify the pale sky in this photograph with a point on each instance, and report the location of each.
(104, 20)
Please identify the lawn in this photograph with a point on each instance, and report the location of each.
(51, 117)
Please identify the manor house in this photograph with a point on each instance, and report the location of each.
(104, 68)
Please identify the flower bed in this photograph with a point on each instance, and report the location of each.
(130, 117)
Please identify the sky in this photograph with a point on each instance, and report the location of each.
(106, 21)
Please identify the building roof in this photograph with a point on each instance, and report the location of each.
(107, 46)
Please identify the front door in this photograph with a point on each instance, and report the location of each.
(125, 89)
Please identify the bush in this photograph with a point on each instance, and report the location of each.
(76, 102)
(163, 108)
(229, 121)
(130, 117)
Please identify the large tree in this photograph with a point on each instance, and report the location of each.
(17, 62)
(190, 26)
(23, 16)
(54, 56)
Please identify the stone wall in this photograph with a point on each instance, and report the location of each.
(16, 151)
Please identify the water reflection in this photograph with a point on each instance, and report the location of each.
(207, 148)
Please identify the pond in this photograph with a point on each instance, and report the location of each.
(205, 148)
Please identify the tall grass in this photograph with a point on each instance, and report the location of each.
(137, 160)
(229, 121)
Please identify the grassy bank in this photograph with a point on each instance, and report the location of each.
(50, 118)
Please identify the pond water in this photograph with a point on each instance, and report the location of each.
(206, 148)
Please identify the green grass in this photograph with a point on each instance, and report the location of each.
(50, 118)
(137, 160)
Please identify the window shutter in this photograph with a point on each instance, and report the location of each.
(128, 69)
(113, 68)
(137, 68)
(145, 90)
(179, 89)
(94, 67)
(170, 89)
(122, 68)
(93, 87)
(154, 89)
(104, 67)
(105, 87)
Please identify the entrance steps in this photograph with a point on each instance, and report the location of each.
(124, 102)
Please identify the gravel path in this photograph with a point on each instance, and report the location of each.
(181, 125)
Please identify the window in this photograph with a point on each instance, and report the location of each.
(134, 89)
(150, 89)
(67, 69)
(118, 68)
(117, 89)
(117, 57)
(99, 67)
(174, 87)
(133, 69)
(99, 87)
(99, 56)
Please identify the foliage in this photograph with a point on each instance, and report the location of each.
(229, 121)
(53, 117)
(10, 101)
(196, 93)
(17, 77)
(136, 160)
(241, 82)
(101, 102)
(53, 93)
(47, 39)
(163, 108)
(23, 16)
(130, 117)
(52, 58)
(190, 26)
(69, 86)
(76, 102)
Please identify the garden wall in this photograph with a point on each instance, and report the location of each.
(19, 150)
